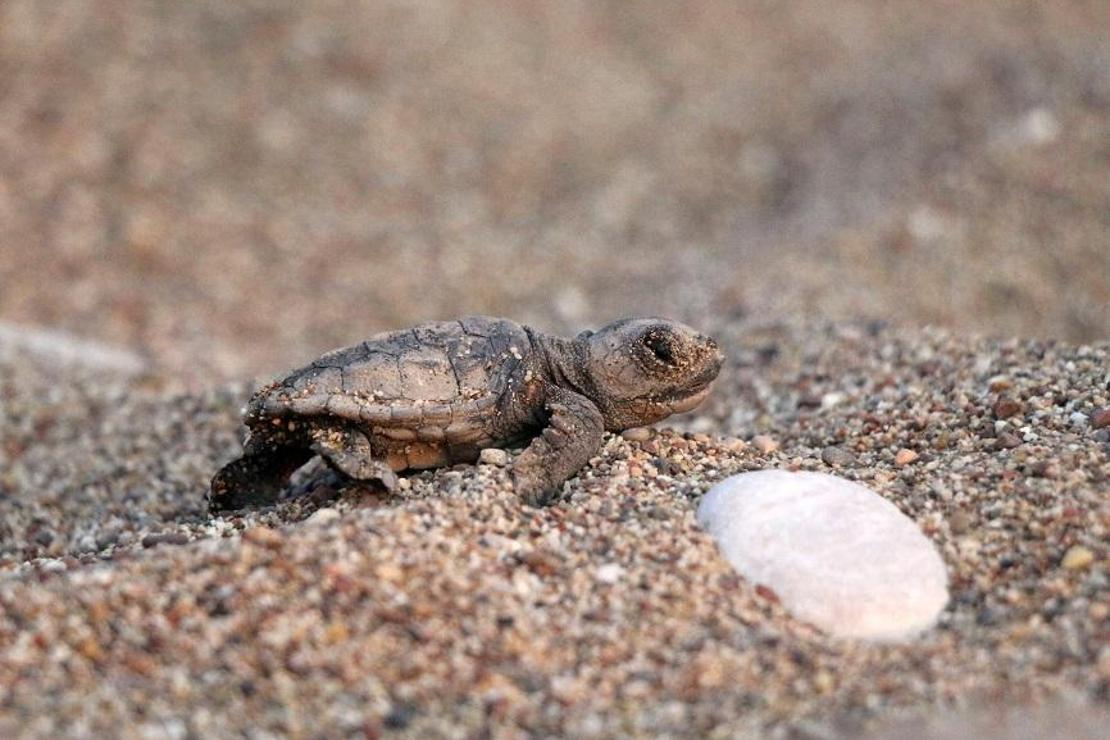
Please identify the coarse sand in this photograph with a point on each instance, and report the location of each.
(451, 610)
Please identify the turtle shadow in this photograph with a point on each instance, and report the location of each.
(317, 486)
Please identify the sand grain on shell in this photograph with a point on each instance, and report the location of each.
(450, 607)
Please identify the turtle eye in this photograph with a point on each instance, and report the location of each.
(660, 347)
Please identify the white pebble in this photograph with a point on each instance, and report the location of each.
(638, 434)
(493, 456)
(1039, 126)
(63, 348)
(609, 573)
(320, 517)
(837, 554)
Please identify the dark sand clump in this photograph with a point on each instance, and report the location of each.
(450, 609)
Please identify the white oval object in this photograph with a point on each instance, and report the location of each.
(67, 349)
(837, 554)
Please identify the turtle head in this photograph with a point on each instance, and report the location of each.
(643, 370)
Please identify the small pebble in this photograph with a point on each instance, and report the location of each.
(638, 434)
(493, 456)
(766, 445)
(1101, 418)
(323, 516)
(1005, 407)
(540, 562)
(999, 383)
(824, 682)
(837, 457)
(1077, 557)
(959, 522)
(264, 536)
(905, 457)
(398, 718)
(734, 444)
(609, 573)
(165, 538)
(1045, 469)
(1007, 440)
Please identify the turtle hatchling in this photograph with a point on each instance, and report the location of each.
(442, 392)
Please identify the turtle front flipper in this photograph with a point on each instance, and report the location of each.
(348, 451)
(255, 479)
(572, 436)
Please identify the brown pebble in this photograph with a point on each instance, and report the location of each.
(905, 457)
(263, 536)
(768, 593)
(837, 456)
(1100, 418)
(1007, 440)
(765, 444)
(336, 633)
(540, 563)
(999, 383)
(90, 649)
(959, 522)
(1005, 407)
(1045, 469)
(1077, 558)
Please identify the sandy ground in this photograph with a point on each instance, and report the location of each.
(451, 610)
(196, 196)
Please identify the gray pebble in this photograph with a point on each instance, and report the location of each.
(837, 457)
(165, 538)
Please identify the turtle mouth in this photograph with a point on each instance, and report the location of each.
(691, 401)
(699, 388)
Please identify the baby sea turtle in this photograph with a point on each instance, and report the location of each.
(440, 393)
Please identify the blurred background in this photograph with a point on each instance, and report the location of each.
(232, 187)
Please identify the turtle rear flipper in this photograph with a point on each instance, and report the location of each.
(256, 478)
(348, 450)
